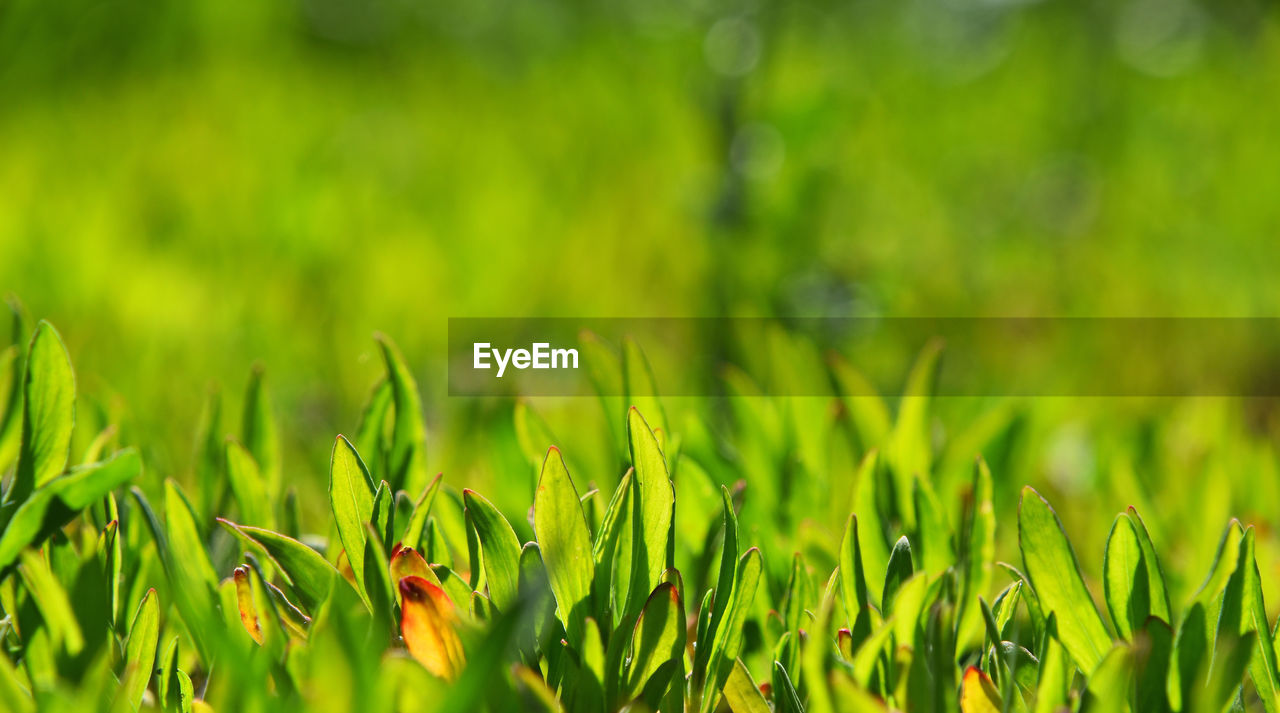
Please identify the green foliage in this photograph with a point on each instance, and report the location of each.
(410, 594)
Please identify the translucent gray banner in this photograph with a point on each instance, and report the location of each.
(823, 356)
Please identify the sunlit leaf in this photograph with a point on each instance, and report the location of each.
(500, 546)
(258, 432)
(55, 504)
(351, 493)
(48, 413)
(1055, 575)
(249, 486)
(51, 599)
(1126, 582)
(1244, 612)
(140, 651)
(564, 543)
(656, 498)
(658, 637)
(407, 457)
(727, 643)
(307, 572)
(417, 523)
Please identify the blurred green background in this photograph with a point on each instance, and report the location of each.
(187, 188)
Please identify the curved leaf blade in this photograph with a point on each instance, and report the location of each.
(1055, 577)
(564, 543)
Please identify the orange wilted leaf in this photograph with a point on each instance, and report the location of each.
(244, 597)
(427, 620)
(406, 562)
(978, 694)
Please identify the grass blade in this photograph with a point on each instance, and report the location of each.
(564, 543)
(351, 494)
(1055, 577)
(655, 499)
(140, 651)
(308, 573)
(500, 548)
(407, 458)
(48, 413)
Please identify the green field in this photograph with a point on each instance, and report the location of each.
(219, 206)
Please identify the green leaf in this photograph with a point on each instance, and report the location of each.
(727, 643)
(1231, 659)
(853, 584)
(51, 507)
(500, 547)
(564, 542)
(1153, 649)
(248, 486)
(308, 573)
(784, 692)
(407, 459)
(532, 433)
(1159, 598)
(742, 694)
(383, 519)
(210, 455)
(1209, 595)
(934, 535)
(1055, 576)
(197, 605)
(186, 692)
(1189, 659)
(900, 569)
(868, 411)
(871, 539)
(659, 637)
(140, 651)
(910, 449)
(14, 696)
(48, 413)
(412, 535)
(978, 548)
(1126, 584)
(377, 577)
(723, 593)
(351, 498)
(51, 599)
(187, 549)
(166, 693)
(259, 431)
(639, 385)
(794, 604)
(371, 438)
(1053, 689)
(453, 585)
(1244, 612)
(485, 668)
(612, 553)
(655, 498)
(111, 558)
(10, 405)
(604, 369)
(1107, 689)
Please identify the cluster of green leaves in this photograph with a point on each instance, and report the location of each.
(418, 596)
